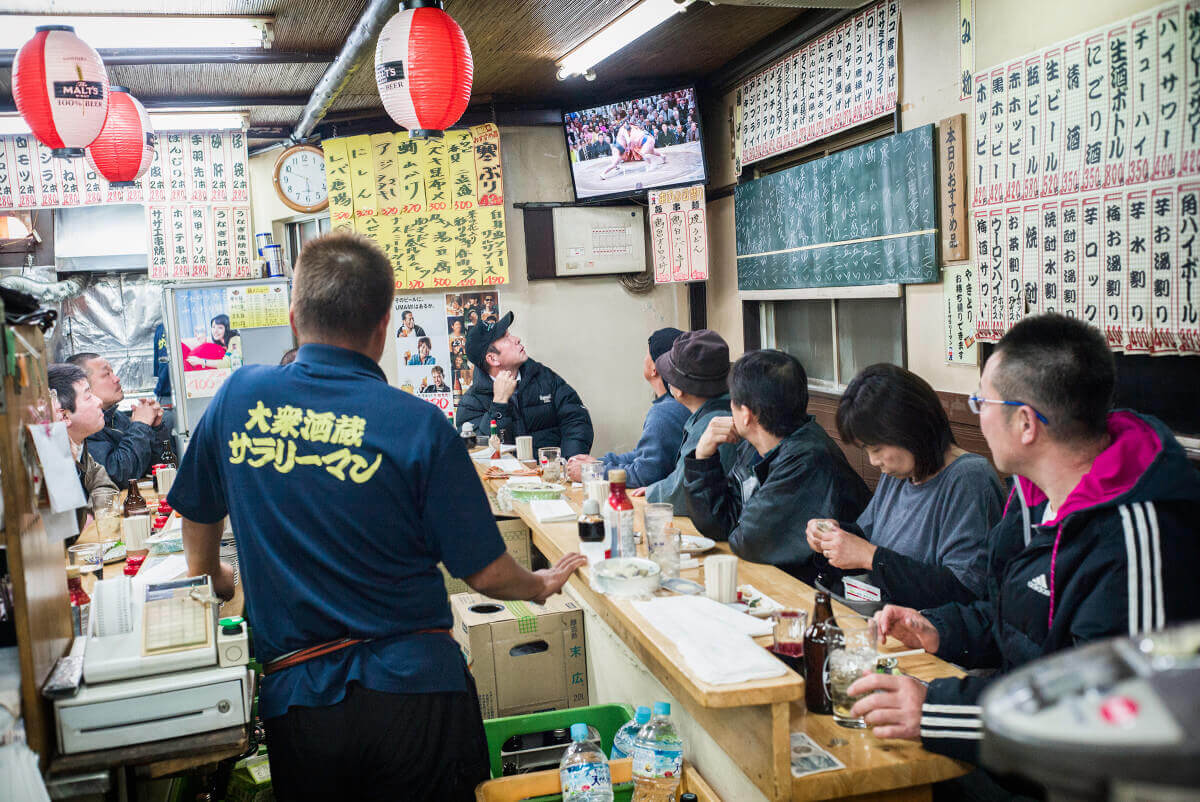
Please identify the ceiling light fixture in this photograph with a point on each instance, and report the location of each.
(641, 19)
(142, 32)
(161, 121)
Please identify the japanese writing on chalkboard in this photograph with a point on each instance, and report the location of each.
(843, 78)
(1085, 180)
(435, 206)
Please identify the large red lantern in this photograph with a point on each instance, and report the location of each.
(123, 151)
(61, 89)
(423, 68)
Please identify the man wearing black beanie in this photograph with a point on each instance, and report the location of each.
(655, 454)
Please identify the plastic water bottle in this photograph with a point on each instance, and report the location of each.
(625, 737)
(657, 758)
(584, 771)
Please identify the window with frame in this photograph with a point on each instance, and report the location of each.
(301, 230)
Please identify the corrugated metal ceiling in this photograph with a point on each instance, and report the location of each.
(515, 44)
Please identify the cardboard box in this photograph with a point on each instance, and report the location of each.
(516, 540)
(525, 658)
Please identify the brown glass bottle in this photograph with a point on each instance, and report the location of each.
(816, 698)
(135, 502)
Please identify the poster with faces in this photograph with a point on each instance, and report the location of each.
(1085, 181)
(431, 342)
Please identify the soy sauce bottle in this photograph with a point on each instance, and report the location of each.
(135, 502)
(816, 643)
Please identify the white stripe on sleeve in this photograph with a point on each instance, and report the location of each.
(961, 734)
(1131, 570)
(1160, 612)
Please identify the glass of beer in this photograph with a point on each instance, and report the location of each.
(107, 514)
(552, 464)
(853, 642)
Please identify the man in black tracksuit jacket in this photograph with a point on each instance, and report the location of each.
(786, 471)
(524, 397)
(1116, 557)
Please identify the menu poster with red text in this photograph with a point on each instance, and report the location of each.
(1086, 162)
(435, 206)
(679, 235)
(431, 342)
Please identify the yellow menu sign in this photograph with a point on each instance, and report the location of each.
(435, 206)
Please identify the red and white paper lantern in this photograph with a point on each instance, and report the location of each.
(61, 89)
(123, 151)
(423, 68)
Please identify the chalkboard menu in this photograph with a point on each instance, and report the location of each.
(866, 215)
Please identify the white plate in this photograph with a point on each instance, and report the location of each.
(696, 544)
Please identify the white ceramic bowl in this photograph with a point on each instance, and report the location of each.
(627, 577)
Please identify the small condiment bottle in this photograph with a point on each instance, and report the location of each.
(494, 441)
(618, 517)
(468, 435)
(81, 603)
(591, 533)
(135, 502)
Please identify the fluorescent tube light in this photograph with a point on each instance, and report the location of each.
(162, 121)
(640, 19)
(142, 32)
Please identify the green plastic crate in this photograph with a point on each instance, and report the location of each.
(607, 719)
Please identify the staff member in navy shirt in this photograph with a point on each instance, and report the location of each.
(344, 494)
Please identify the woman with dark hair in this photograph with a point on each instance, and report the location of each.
(212, 353)
(922, 540)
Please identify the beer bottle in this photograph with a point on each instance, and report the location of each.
(816, 641)
(135, 502)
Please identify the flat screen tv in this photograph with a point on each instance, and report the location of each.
(630, 146)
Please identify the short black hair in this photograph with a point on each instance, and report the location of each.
(774, 386)
(62, 379)
(342, 288)
(886, 405)
(82, 359)
(1063, 368)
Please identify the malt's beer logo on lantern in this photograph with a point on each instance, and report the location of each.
(79, 89)
(390, 71)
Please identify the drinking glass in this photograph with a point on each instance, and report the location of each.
(591, 472)
(790, 624)
(657, 518)
(89, 557)
(663, 548)
(107, 514)
(853, 642)
(551, 462)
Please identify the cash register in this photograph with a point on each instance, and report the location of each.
(156, 665)
(1115, 720)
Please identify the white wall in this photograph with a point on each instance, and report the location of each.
(591, 331)
(1004, 29)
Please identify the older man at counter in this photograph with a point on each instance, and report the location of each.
(787, 469)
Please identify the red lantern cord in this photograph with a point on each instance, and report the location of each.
(125, 148)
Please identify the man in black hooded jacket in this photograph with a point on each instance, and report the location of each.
(524, 397)
(1099, 537)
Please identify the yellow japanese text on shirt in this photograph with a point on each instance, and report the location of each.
(280, 429)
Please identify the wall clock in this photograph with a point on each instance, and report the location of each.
(300, 178)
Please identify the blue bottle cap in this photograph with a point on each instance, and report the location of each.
(662, 708)
(579, 732)
(643, 714)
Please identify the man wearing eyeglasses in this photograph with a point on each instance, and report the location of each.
(1098, 539)
(524, 397)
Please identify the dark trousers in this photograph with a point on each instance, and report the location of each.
(380, 746)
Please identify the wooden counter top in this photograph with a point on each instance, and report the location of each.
(753, 721)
